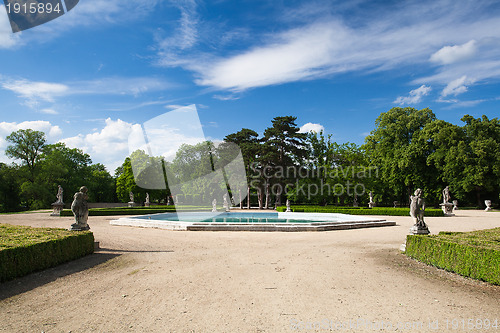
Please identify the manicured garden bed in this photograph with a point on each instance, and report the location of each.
(24, 250)
(474, 254)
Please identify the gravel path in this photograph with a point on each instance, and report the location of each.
(150, 280)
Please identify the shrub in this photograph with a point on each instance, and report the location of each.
(24, 249)
(360, 210)
(474, 254)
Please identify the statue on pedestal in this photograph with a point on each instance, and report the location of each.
(59, 195)
(214, 206)
(446, 195)
(447, 206)
(131, 203)
(59, 204)
(371, 204)
(80, 210)
(147, 202)
(288, 209)
(417, 209)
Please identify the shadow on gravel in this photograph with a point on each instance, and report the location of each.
(134, 251)
(37, 279)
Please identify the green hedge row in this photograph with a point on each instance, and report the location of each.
(475, 254)
(360, 210)
(123, 211)
(24, 250)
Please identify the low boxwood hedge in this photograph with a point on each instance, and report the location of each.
(24, 250)
(474, 254)
(389, 211)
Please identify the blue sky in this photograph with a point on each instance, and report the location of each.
(87, 77)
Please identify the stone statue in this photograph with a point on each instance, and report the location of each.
(446, 195)
(355, 202)
(395, 203)
(455, 204)
(226, 203)
(169, 201)
(80, 210)
(214, 205)
(59, 204)
(417, 208)
(147, 202)
(288, 209)
(446, 206)
(488, 205)
(241, 201)
(371, 204)
(59, 195)
(131, 203)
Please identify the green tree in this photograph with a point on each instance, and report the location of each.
(402, 166)
(481, 159)
(101, 183)
(249, 143)
(125, 182)
(283, 146)
(442, 143)
(27, 146)
(9, 188)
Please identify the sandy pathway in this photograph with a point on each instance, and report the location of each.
(149, 280)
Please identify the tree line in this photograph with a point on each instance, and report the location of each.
(408, 149)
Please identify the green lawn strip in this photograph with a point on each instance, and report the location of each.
(25, 249)
(389, 211)
(474, 254)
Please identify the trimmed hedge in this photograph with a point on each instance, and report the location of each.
(24, 250)
(140, 210)
(121, 211)
(474, 254)
(431, 212)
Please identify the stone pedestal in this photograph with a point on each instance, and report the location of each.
(131, 204)
(58, 207)
(147, 204)
(447, 209)
(419, 230)
(371, 204)
(78, 227)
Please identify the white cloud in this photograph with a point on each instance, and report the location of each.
(230, 97)
(49, 111)
(451, 54)
(119, 86)
(414, 97)
(184, 37)
(457, 86)
(310, 127)
(295, 55)
(35, 92)
(381, 38)
(108, 145)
